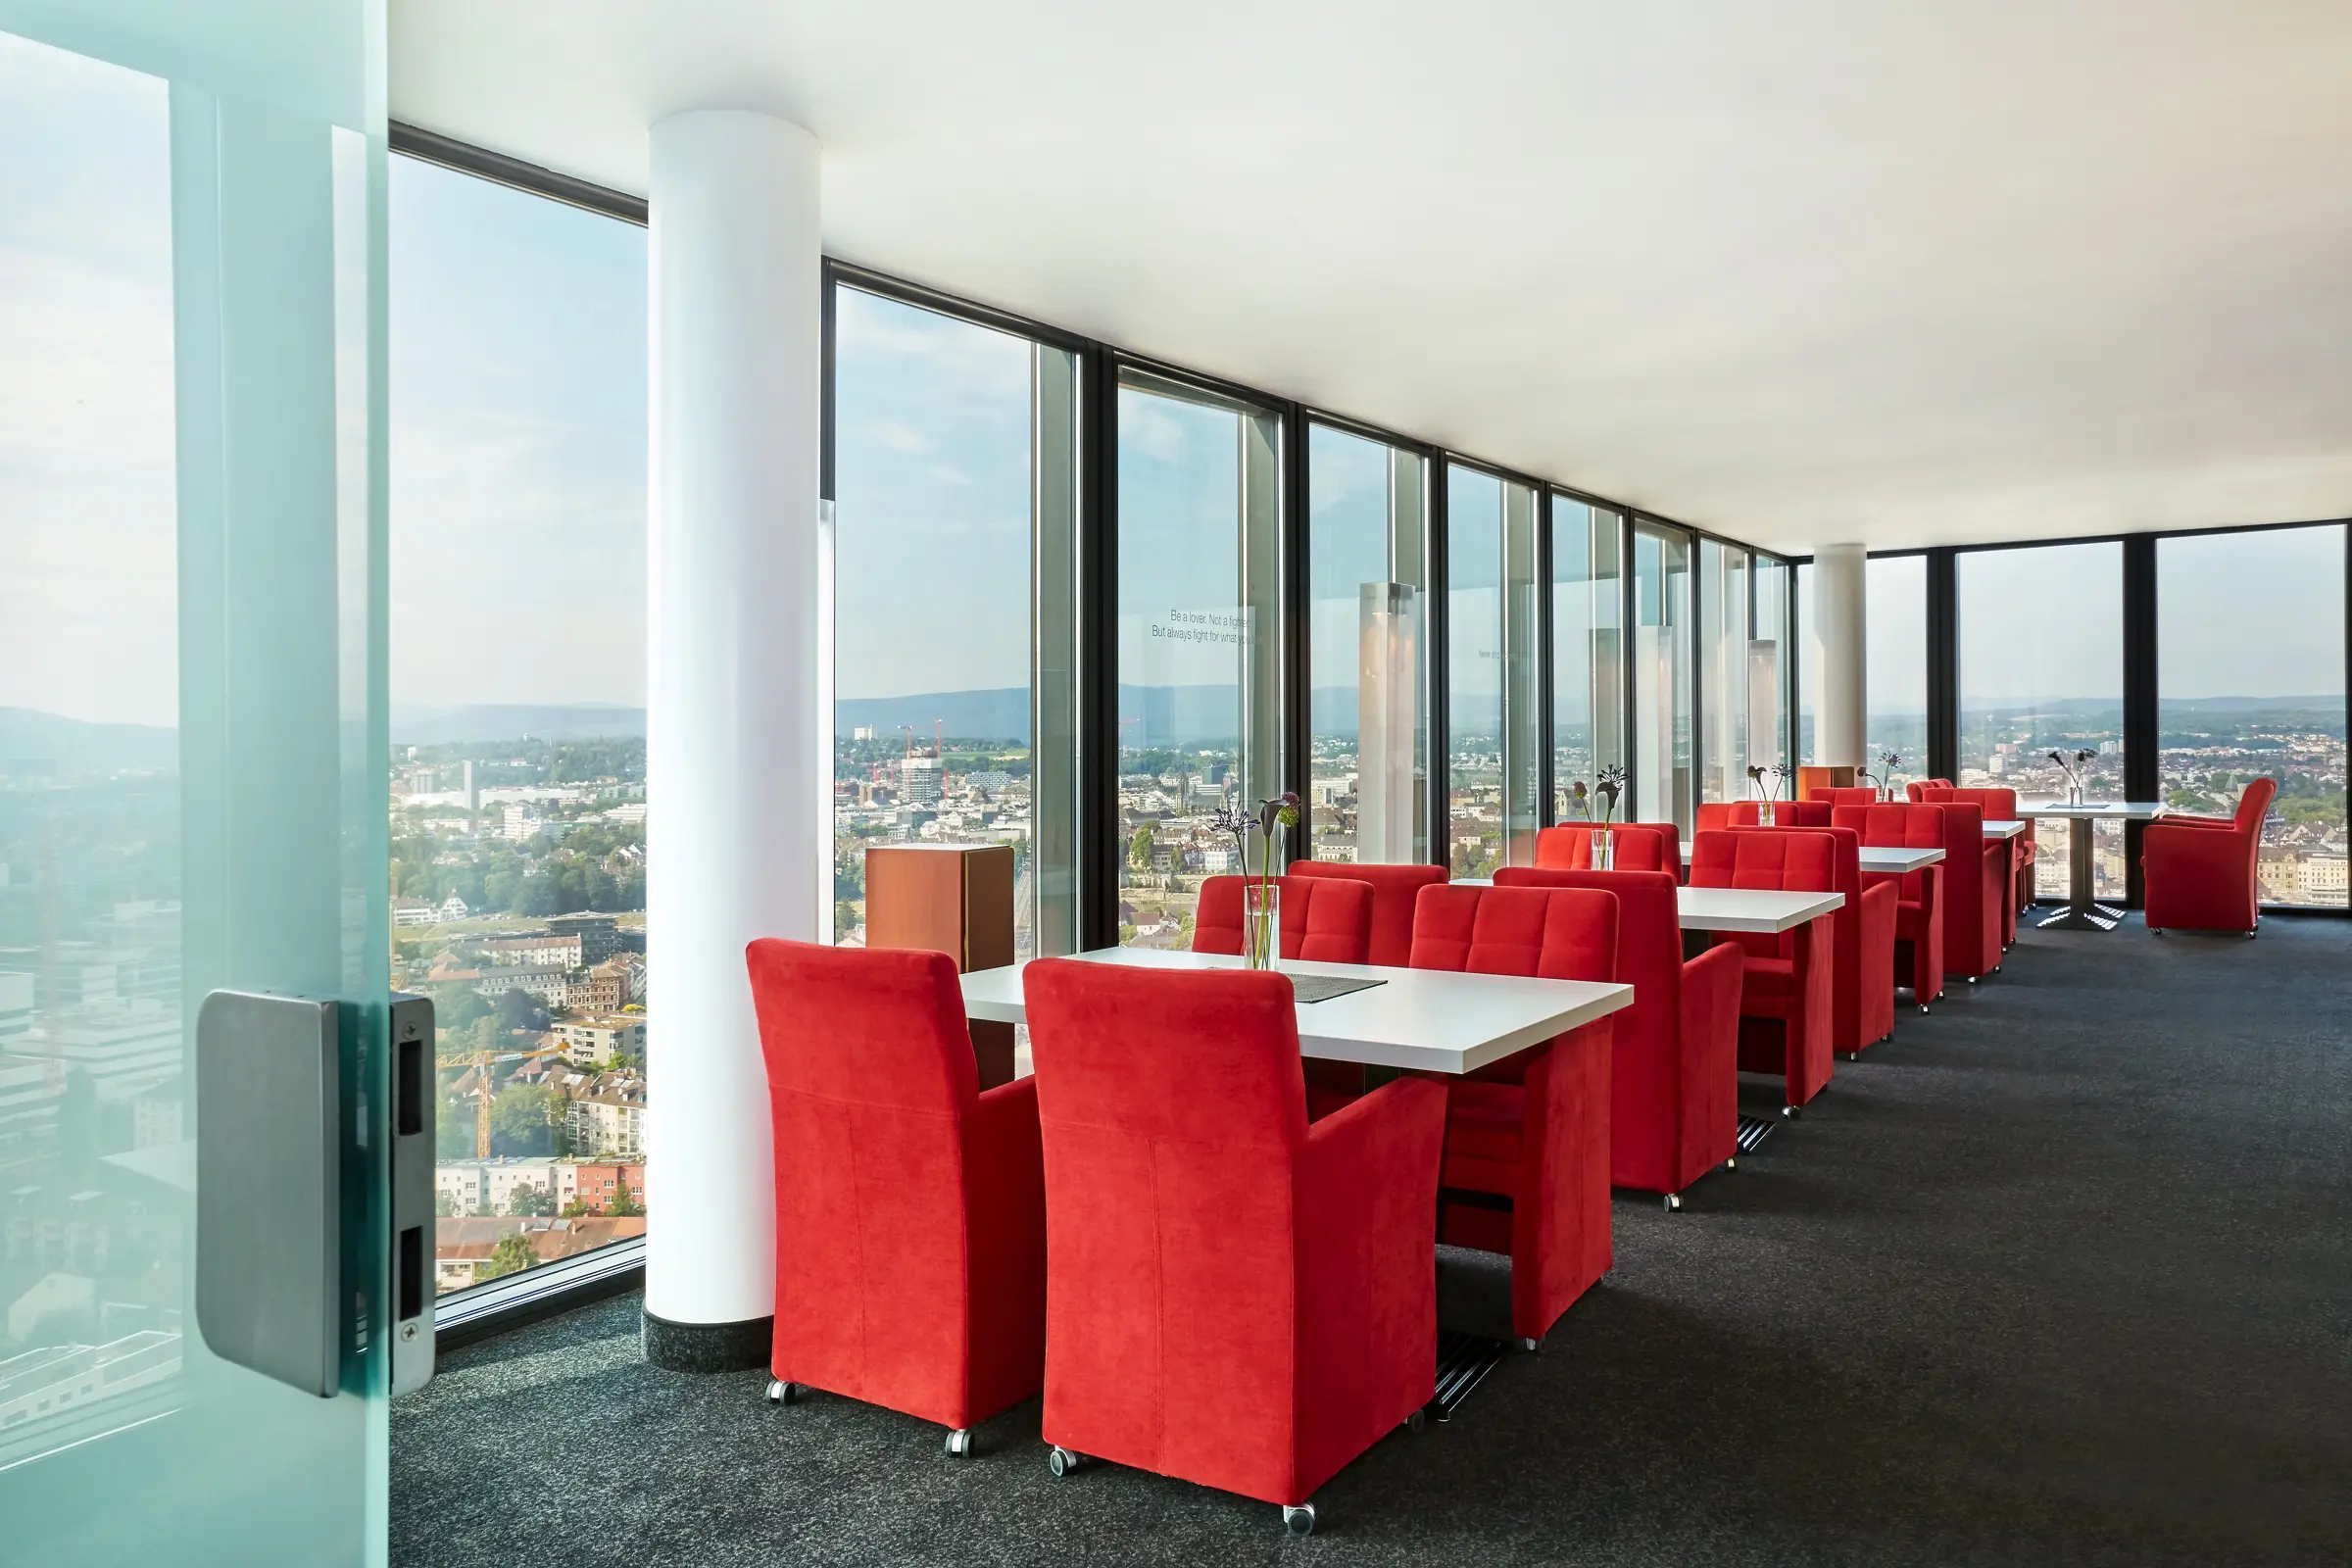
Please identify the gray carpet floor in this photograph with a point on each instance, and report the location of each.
(2062, 1274)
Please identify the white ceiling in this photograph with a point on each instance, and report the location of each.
(1923, 271)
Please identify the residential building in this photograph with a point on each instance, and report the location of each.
(594, 1040)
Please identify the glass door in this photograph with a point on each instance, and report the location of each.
(193, 1340)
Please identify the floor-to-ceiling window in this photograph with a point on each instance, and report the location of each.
(1771, 670)
(1662, 717)
(1367, 675)
(1895, 678)
(1723, 657)
(1808, 667)
(517, 397)
(954, 496)
(2041, 688)
(1200, 637)
(1491, 653)
(2250, 682)
(1587, 648)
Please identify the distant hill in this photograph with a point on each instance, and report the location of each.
(2248, 705)
(999, 712)
(414, 725)
(33, 742)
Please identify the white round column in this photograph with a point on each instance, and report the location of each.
(736, 771)
(1841, 651)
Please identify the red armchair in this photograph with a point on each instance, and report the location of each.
(910, 1224)
(1674, 1071)
(1974, 887)
(1862, 990)
(1918, 954)
(1785, 814)
(1326, 919)
(1394, 889)
(1641, 847)
(2200, 869)
(1787, 1005)
(1915, 792)
(1532, 1130)
(1998, 806)
(1845, 795)
(1233, 1297)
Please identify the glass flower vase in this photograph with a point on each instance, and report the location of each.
(1605, 848)
(1765, 813)
(1261, 923)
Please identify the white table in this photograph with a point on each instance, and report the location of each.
(1895, 859)
(1760, 911)
(1763, 912)
(2083, 911)
(2003, 829)
(1433, 1019)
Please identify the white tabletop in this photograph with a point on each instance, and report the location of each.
(2093, 810)
(1758, 911)
(1892, 858)
(1433, 1019)
(2003, 830)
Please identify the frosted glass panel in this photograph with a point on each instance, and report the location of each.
(192, 771)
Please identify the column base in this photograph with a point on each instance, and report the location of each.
(708, 1347)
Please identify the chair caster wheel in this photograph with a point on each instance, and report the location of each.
(959, 1444)
(1792, 1112)
(2251, 934)
(1732, 1164)
(1922, 1006)
(1854, 1056)
(2155, 930)
(1062, 1461)
(1415, 1421)
(1674, 1202)
(781, 1392)
(1971, 979)
(1300, 1518)
(1531, 1347)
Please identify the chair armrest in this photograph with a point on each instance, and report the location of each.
(1390, 1139)
(1002, 1136)
(2223, 823)
(1878, 904)
(2199, 847)
(1712, 996)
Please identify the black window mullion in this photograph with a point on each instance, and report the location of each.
(2141, 762)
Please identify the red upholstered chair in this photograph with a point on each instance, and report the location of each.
(1713, 814)
(910, 1223)
(1532, 1130)
(1862, 994)
(1998, 806)
(1641, 847)
(1325, 919)
(1916, 791)
(1785, 814)
(2200, 869)
(1232, 1296)
(1394, 889)
(1862, 794)
(1787, 1005)
(1974, 886)
(1674, 1084)
(1918, 956)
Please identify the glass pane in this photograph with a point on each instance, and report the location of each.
(517, 389)
(1588, 659)
(1199, 643)
(1895, 679)
(1368, 651)
(1769, 670)
(1663, 719)
(1808, 667)
(1474, 648)
(1723, 657)
(942, 512)
(2250, 677)
(2042, 672)
(1522, 643)
(191, 769)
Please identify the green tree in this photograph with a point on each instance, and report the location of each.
(456, 1009)
(522, 1120)
(624, 1202)
(444, 1207)
(518, 1009)
(1139, 850)
(512, 1255)
(528, 1198)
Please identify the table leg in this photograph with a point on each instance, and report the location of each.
(2082, 911)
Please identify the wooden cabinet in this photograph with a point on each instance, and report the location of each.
(951, 898)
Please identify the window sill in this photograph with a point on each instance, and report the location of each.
(480, 1311)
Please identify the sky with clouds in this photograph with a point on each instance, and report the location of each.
(517, 458)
